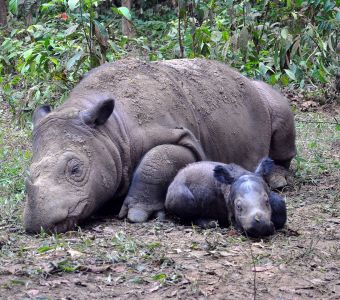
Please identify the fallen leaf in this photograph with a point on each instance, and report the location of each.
(74, 253)
(307, 105)
(32, 293)
(155, 288)
(95, 269)
(262, 268)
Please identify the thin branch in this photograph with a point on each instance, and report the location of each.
(318, 122)
(254, 266)
(264, 17)
(82, 25)
(179, 31)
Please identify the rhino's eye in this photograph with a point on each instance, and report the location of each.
(75, 170)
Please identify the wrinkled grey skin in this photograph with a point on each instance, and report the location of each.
(129, 126)
(205, 192)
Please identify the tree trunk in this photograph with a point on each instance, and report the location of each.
(127, 27)
(3, 13)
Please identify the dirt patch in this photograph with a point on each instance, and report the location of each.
(115, 259)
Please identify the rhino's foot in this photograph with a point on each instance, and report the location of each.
(206, 223)
(279, 178)
(137, 215)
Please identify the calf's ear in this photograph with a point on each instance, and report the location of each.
(39, 113)
(265, 167)
(222, 175)
(98, 114)
(279, 210)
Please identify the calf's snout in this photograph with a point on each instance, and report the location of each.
(260, 226)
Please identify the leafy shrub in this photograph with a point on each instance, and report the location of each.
(282, 42)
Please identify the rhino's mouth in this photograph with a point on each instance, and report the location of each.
(75, 214)
(67, 224)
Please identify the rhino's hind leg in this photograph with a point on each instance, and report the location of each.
(282, 149)
(279, 177)
(151, 179)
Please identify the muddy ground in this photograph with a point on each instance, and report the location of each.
(109, 258)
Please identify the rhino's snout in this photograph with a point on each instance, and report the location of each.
(41, 214)
(259, 227)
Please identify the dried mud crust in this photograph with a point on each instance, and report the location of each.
(114, 259)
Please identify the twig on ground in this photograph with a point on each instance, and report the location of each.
(317, 122)
(254, 266)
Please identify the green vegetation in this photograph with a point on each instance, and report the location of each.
(291, 43)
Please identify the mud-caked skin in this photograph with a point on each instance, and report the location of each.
(129, 126)
(206, 191)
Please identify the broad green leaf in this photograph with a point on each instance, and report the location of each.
(298, 3)
(73, 60)
(13, 6)
(337, 17)
(27, 54)
(44, 249)
(284, 80)
(38, 58)
(123, 11)
(71, 30)
(54, 60)
(216, 36)
(272, 79)
(289, 4)
(284, 33)
(73, 4)
(159, 277)
(290, 74)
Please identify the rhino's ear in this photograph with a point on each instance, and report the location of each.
(99, 113)
(265, 167)
(279, 210)
(222, 175)
(40, 113)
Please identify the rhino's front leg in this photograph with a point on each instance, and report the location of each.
(149, 185)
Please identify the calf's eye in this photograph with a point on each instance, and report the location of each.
(239, 207)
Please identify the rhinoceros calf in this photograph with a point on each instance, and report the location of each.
(129, 126)
(205, 192)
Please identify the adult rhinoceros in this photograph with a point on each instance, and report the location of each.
(129, 126)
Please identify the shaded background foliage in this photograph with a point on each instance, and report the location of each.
(47, 46)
